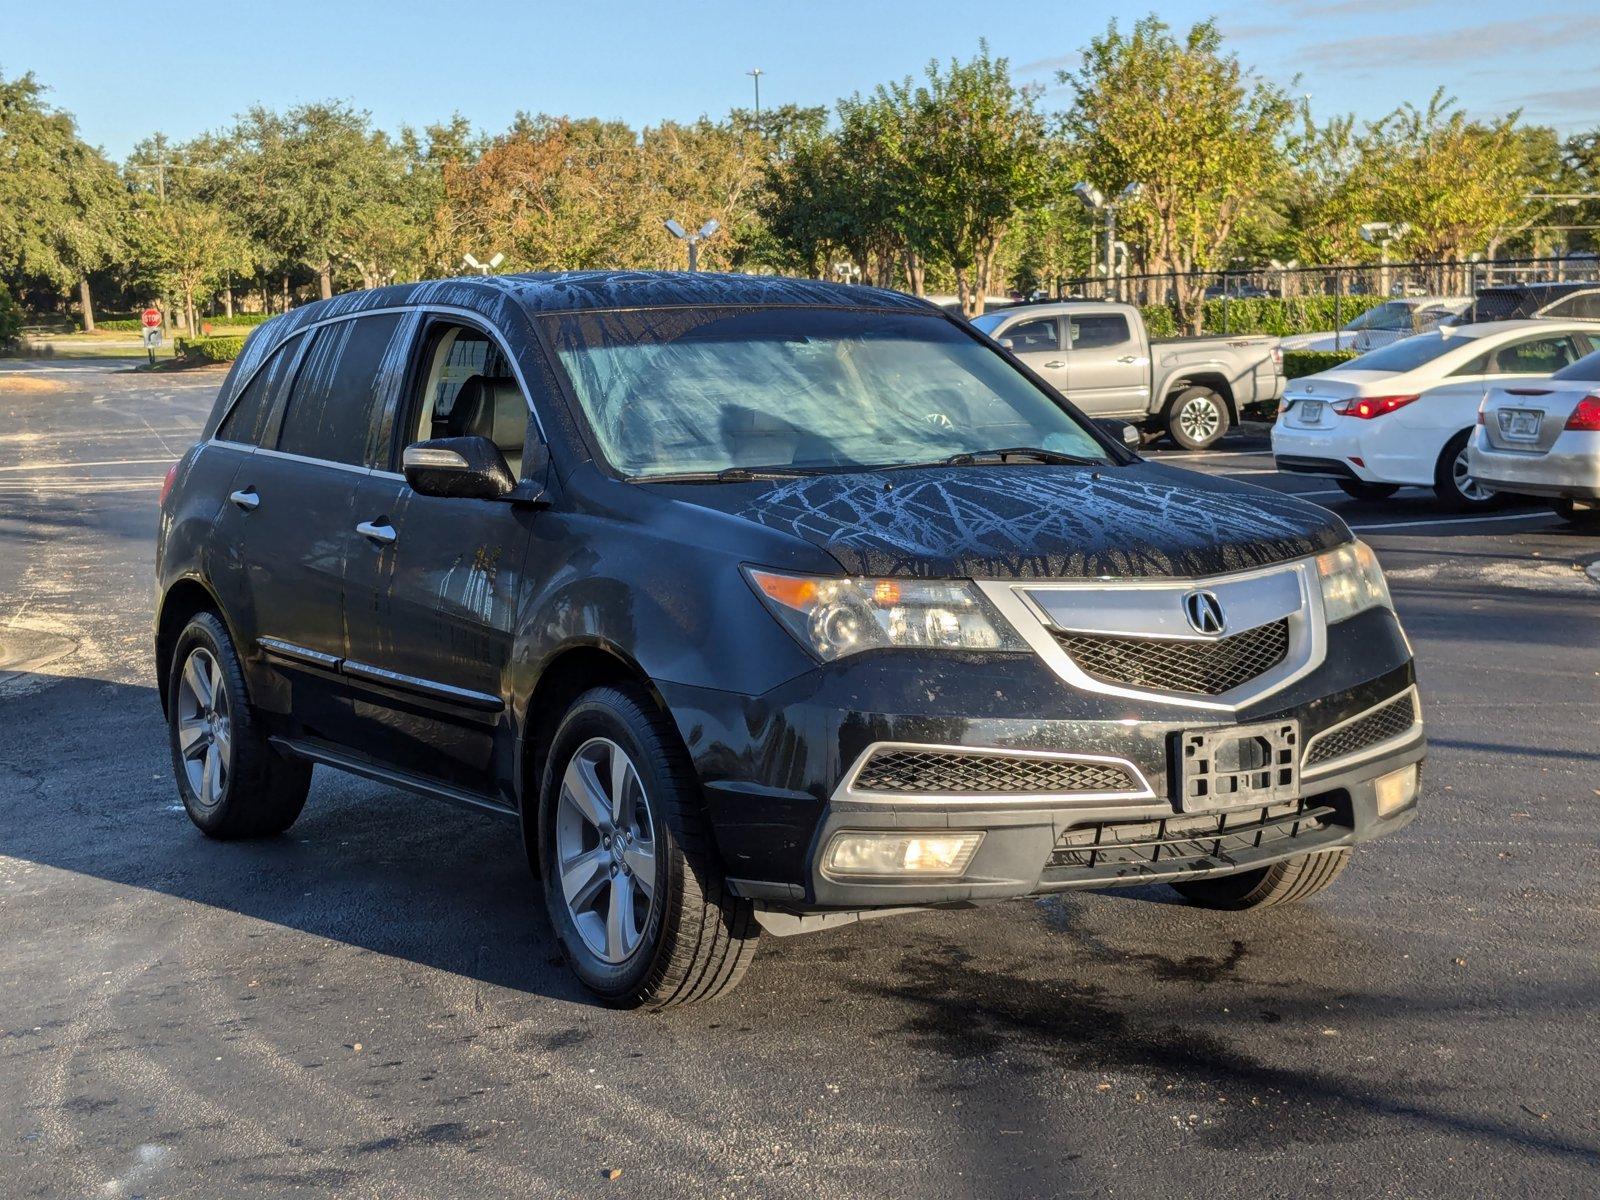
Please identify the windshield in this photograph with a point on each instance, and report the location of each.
(702, 390)
(1409, 353)
(1388, 317)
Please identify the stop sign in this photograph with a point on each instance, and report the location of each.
(150, 318)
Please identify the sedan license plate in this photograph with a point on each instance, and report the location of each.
(1310, 411)
(1238, 766)
(1521, 424)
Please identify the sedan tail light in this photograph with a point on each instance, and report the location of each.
(1586, 417)
(166, 484)
(1367, 407)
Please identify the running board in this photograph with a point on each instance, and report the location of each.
(329, 755)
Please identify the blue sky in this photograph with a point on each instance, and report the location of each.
(126, 69)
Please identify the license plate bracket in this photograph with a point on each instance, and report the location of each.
(1238, 766)
(1311, 411)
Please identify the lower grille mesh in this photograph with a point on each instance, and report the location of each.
(1185, 842)
(1203, 668)
(1393, 719)
(956, 772)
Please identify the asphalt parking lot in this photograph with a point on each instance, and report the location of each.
(373, 1005)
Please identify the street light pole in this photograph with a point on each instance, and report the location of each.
(755, 73)
(694, 239)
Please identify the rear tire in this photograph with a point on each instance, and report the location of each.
(232, 782)
(1197, 418)
(695, 940)
(1281, 883)
(1359, 489)
(1584, 520)
(1453, 484)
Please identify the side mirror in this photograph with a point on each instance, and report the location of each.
(463, 468)
(1008, 343)
(1121, 431)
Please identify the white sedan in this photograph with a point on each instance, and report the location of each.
(1402, 415)
(1383, 325)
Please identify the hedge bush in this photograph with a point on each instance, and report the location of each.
(1265, 314)
(1308, 362)
(208, 349)
(10, 321)
(135, 325)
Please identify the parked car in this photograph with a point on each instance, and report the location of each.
(1569, 300)
(1388, 322)
(1402, 415)
(759, 605)
(1100, 356)
(1544, 440)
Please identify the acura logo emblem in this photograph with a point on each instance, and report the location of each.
(1204, 613)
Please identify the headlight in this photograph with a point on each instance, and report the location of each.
(1352, 581)
(835, 617)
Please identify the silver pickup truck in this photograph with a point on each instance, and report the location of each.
(1099, 355)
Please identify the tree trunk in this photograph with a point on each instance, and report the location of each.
(88, 303)
(227, 301)
(325, 282)
(285, 307)
(916, 274)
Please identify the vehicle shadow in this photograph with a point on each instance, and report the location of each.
(366, 865)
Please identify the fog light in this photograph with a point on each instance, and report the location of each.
(901, 853)
(1396, 789)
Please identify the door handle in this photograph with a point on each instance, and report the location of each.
(378, 534)
(1129, 358)
(245, 498)
(1056, 363)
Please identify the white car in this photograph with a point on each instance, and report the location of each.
(1383, 325)
(1402, 415)
(1543, 439)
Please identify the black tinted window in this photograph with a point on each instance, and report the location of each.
(334, 412)
(1033, 335)
(248, 420)
(1100, 329)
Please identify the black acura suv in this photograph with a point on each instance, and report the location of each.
(759, 605)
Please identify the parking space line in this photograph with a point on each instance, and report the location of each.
(67, 466)
(1459, 520)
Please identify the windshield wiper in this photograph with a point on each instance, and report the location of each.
(730, 475)
(978, 458)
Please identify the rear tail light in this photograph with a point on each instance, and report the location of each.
(166, 484)
(1368, 407)
(1586, 417)
(1277, 356)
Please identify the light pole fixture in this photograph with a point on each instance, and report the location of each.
(1383, 234)
(756, 73)
(1096, 203)
(482, 268)
(694, 239)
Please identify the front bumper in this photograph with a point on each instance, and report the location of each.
(776, 769)
(1570, 468)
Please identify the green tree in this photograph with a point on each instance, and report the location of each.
(62, 208)
(186, 247)
(1186, 120)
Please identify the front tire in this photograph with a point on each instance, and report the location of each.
(232, 782)
(1360, 489)
(629, 878)
(1282, 883)
(1197, 418)
(1584, 520)
(1452, 481)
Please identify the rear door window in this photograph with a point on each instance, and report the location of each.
(1097, 330)
(1536, 356)
(337, 407)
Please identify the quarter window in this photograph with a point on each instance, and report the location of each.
(250, 417)
(339, 392)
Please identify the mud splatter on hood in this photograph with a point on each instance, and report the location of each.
(1036, 522)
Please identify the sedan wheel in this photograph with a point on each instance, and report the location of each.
(606, 851)
(205, 736)
(1452, 478)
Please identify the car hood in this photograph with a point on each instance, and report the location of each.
(1019, 522)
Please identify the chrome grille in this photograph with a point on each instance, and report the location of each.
(955, 772)
(1203, 668)
(1379, 725)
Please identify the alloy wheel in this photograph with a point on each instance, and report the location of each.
(1469, 487)
(1199, 419)
(606, 850)
(205, 733)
